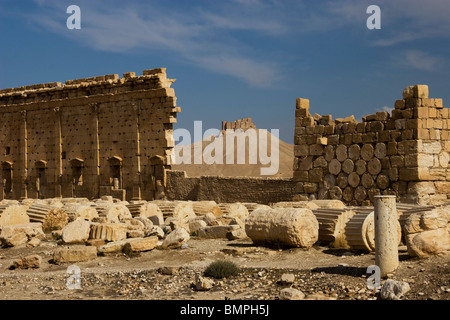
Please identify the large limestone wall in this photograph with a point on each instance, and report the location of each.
(74, 139)
(228, 189)
(405, 153)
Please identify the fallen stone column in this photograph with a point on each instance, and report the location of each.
(252, 206)
(147, 210)
(80, 210)
(108, 231)
(37, 212)
(295, 204)
(357, 231)
(201, 208)
(332, 223)
(295, 227)
(113, 213)
(360, 230)
(176, 209)
(54, 202)
(8, 202)
(234, 210)
(334, 204)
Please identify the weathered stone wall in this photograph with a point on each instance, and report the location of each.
(228, 189)
(87, 137)
(405, 153)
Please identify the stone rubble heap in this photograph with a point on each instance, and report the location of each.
(107, 225)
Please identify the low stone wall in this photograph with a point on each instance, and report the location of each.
(228, 189)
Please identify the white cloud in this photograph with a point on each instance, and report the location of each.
(386, 108)
(254, 73)
(409, 20)
(420, 60)
(236, 22)
(195, 36)
(214, 35)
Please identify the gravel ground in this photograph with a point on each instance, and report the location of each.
(319, 272)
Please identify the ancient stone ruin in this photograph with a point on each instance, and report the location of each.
(86, 166)
(243, 124)
(88, 137)
(405, 153)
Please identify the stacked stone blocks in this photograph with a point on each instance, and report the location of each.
(405, 153)
(89, 137)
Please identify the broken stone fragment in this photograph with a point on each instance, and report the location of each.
(287, 278)
(85, 212)
(236, 234)
(202, 283)
(135, 234)
(76, 231)
(216, 232)
(155, 231)
(210, 219)
(108, 231)
(428, 233)
(291, 294)
(116, 213)
(56, 219)
(169, 270)
(31, 261)
(112, 247)
(34, 242)
(14, 214)
(394, 290)
(176, 239)
(140, 245)
(196, 224)
(75, 253)
(19, 234)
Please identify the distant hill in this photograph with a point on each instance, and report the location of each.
(286, 155)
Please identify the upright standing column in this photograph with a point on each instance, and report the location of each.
(58, 152)
(136, 166)
(23, 162)
(94, 162)
(386, 234)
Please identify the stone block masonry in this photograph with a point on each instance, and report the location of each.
(89, 137)
(263, 190)
(403, 153)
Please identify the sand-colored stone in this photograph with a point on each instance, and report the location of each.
(297, 227)
(74, 254)
(176, 239)
(56, 219)
(140, 245)
(13, 214)
(76, 231)
(428, 233)
(108, 231)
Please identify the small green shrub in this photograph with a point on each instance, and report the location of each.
(221, 269)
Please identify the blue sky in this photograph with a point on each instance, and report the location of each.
(238, 58)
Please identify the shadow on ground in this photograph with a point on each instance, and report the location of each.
(342, 270)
